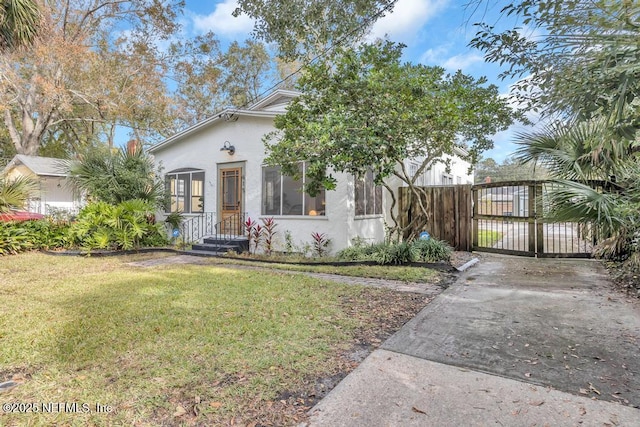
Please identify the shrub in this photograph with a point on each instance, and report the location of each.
(433, 250)
(127, 225)
(16, 237)
(13, 239)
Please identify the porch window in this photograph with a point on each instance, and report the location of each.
(283, 195)
(368, 196)
(185, 188)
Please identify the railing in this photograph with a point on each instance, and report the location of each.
(228, 230)
(195, 228)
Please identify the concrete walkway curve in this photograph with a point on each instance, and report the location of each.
(514, 342)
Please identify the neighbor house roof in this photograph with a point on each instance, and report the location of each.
(41, 166)
(270, 106)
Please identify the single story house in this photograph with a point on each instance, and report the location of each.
(54, 192)
(216, 168)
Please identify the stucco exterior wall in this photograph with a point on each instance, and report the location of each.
(201, 150)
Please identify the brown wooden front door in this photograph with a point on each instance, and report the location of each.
(231, 200)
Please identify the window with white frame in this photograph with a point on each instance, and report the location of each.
(447, 179)
(283, 195)
(413, 171)
(185, 188)
(368, 195)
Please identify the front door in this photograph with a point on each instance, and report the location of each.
(231, 201)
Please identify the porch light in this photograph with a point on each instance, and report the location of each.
(228, 148)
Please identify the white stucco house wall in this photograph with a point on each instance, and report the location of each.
(54, 191)
(216, 168)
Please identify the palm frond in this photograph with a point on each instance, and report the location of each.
(582, 151)
(14, 193)
(570, 201)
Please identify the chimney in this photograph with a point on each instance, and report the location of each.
(132, 146)
(487, 180)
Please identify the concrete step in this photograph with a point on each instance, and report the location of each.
(215, 247)
(203, 253)
(238, 244)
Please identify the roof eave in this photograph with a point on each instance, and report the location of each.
(229, 112)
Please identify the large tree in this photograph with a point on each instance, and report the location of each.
(82, 59)
(303, 28)
(368, 111)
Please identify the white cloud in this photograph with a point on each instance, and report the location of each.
(222, 22)
(440, 56)
(462, 62)
(434, 56)
(407, 19)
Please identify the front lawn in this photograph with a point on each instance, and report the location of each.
(178, 344)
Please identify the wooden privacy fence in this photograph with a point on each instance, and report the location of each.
(448, 213)
(504, 217)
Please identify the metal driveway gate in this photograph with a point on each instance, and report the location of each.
(509, 218)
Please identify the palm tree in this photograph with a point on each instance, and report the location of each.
(19, 21)
(14, 193)
(597, 179)
(114, 176)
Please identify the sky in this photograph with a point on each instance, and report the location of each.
(436, 32)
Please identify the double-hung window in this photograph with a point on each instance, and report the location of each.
(368, 195)
(186, 191)
(283, 195)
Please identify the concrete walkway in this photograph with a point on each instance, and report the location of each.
(514, 342)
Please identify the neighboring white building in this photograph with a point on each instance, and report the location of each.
(217, 166)
(54, 192)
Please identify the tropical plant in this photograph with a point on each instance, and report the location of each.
(596, 181)
(269, 227)
(114, 176)
(19, 22)
(431, 250)
(14, 193)
(16, 237)
(174, 220)
(127, 225)
(254, 233)
(320, 244)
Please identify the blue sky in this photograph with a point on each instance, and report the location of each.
(436, 32)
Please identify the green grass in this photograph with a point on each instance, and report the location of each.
(402, 273)
(149, 341)
(488, 238)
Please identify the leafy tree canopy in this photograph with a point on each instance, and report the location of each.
(302, 28)
(509, 170)
(367, 110)
(580, 61)
(82, 76)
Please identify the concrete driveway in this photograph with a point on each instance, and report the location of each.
(515, 341)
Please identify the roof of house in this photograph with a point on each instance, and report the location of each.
(270, 106)
(41, 166)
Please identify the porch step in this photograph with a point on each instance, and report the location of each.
(203, 253)
(222, 245)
